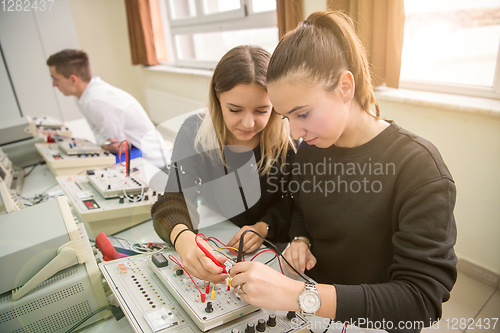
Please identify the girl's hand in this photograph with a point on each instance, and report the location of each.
(264, 287)
(252, 241)
(299, 255)
(195, 261)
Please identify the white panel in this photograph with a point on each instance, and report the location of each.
(8, 107)
(25, 59)
(57, 32)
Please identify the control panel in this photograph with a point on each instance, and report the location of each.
(114, 183)
(50, 125)
(62, 164)
(112, 214)
(78, 147)
(151, 307)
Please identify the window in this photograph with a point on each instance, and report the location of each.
(452, 46)
(202, 31)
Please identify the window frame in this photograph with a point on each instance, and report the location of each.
(458, 89)
(238, 19)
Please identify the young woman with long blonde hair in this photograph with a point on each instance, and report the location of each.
(229, 157)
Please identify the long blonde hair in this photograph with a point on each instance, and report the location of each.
(242, 65)
(320, 49)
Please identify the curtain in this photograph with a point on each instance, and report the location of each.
(140, 31)
(380, 25)
(290, 13)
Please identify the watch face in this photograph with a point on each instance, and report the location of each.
(309, 301)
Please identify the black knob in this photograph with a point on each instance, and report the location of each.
(209, 308)
(122, 198)
(271, 322)
(250, 328)
(261, 325)
(179, 272)
(290, 315)
(109, 187)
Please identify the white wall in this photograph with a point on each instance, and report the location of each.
(186, 86)
(102, 31)
(8, 109)
(28, 38)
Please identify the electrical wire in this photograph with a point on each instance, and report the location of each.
(38, 198)
(226, 247)
(108, 307)
(266, 250)
(270, 260)
(120, 151)
(31, 170)
(213, 238)
(132, 198)
(240, 252)
(178, 263)
(146, 247)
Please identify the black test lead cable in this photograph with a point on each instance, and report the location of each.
(271, 245)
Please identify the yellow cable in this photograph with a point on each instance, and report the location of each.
(213, 292)
(226, 247)
(229, 283)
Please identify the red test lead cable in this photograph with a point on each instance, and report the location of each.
(208, 254)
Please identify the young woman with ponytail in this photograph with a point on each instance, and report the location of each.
(377, 233)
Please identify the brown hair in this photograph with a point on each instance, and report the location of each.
(243, 65)
(320, 49)
(71, 62)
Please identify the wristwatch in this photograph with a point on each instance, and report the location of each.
(309, 300)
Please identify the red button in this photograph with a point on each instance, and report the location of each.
(89, 204)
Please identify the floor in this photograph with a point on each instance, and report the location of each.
(473, 307)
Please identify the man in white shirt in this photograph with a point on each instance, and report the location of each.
(113, 114)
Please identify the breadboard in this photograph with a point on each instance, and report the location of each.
(62, 164)
(141, 295)
(78, 147)
(226, 304)
(112, 183)
(108, 215)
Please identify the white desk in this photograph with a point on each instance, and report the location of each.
(38, 181)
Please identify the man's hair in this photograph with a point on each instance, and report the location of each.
(68, 62)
